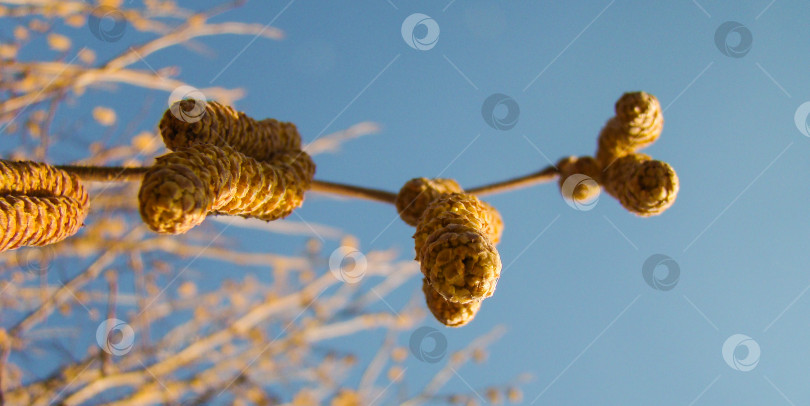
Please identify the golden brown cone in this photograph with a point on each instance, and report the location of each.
(448, 313)
(642, 185)
(221, 125)
(39, 204)
(186, 185)
(455, 245)
(415, 196)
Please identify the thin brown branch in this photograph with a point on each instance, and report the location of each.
(547, 174)
(106, 173)
(353, 191)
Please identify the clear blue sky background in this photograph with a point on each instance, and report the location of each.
(579, 314)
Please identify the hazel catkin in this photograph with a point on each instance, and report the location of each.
(642, 185)
(186, 185)
(221, 125)
(415, 196)
(455, 245)
(448, 313)
(637, 124)
(39, 204)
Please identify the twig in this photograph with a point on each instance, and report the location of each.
(106, 360)
(353, 191)
(106, 173)
(547, 174)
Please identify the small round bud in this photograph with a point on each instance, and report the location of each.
(588, 168)
(415, 196)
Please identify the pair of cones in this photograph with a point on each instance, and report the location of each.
(643, 186)
(223, 162)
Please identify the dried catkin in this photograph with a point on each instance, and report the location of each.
(579, 189)
(186, 185)
(221, 125)
(454, 241)
(39, 204)
(637, 124)
(642, 185)
(417, 193)
(448, 313)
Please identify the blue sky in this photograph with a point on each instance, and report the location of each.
(578, 313)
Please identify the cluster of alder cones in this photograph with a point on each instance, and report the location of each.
(224, 162)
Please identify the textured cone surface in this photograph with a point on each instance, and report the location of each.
(455, 245)
(642, 185)
(448, 313)
(587, 166)
(458, 208)
(186, 185)
(221, 125)
(39, 204)
(417, 193)
(637, 124)
(461, 264)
